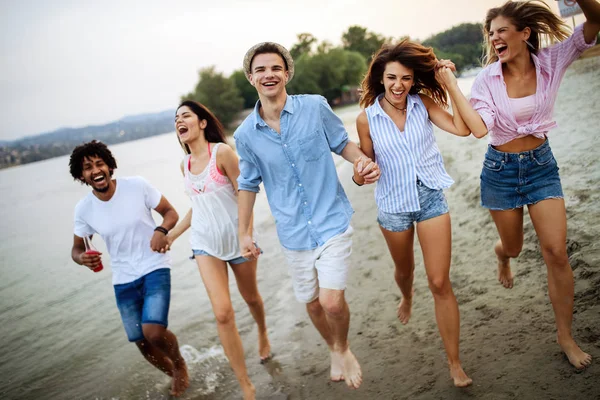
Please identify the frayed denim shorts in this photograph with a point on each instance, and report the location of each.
(432, 203)
(513, 180)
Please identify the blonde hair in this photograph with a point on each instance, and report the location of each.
(535, 15)
(412, 55)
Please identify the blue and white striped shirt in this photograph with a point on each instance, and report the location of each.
(404, 157)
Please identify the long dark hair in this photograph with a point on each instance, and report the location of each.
(535, 15)
(214, 131)
(412, 55)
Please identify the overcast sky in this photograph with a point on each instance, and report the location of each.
(74, 63)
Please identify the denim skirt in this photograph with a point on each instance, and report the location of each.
(513, 180)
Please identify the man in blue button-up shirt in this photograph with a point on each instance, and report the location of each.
(286, 143)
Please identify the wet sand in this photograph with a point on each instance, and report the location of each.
(508, 341)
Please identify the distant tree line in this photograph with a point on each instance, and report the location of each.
(328, 70)
(321, 68)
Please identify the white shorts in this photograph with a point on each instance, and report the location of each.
(324, 267)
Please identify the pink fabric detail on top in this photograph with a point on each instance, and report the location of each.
(208, 180)
(490, 99)
(523, 108)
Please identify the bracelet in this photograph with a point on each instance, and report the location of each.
(357, 184)
(161, 229)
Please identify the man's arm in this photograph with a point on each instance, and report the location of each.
(364, 167)
(246, 200)
(159, 241)
(78, 254)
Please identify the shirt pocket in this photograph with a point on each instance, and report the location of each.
(313, 147)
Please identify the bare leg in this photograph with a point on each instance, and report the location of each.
(163, 339)
(155, 356)
(338, 317)
(510, 227)
(245, 276)
(400, 245)
(550, 221)
(215, 277)
(435, 238)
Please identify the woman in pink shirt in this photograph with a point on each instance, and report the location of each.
(514, 96)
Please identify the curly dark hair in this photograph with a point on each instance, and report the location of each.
(413, 55)
(87, 150)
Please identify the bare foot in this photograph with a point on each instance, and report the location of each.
(351, 370)
(249, 391)
(405, 309)
(337, 367)
(264, 347)
(181, 379)
(459, 376)
(505, 276)
(577, 357)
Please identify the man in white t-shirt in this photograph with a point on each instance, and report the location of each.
(120, 211)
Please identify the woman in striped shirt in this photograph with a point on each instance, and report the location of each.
(514, 97)
(403, 96)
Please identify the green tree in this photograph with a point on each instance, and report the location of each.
(328, 72)
(246, 89)
(304, 45)
(358, 39)
(218, 93)
(464, 40)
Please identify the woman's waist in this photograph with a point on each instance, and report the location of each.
(521, 144)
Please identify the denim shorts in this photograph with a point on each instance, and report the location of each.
(513, 180)
(144, 301)
(237, 260)
(432, 203)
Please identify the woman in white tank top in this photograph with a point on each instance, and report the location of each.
(210, 170)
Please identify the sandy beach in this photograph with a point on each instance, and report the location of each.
(508, 343)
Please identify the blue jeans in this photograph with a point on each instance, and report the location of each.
(144, 301)
(513, 180)
(432, 203)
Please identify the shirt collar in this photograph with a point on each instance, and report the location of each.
(258, 121)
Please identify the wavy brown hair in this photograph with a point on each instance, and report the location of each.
(535, 15)
(214, 131)
(412, 55)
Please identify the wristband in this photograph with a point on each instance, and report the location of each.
(357, 184)
(161, 229)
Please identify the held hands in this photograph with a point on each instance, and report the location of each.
(445, 63)
(248, 247)
(366, 170)
(160, 242)
(445, 76)
(444, 73)
(90, 260)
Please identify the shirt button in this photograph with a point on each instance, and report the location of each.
(309, 222)
(293, 165)
(284, 145)
(521, 156)
(299, 184)
(305, 203)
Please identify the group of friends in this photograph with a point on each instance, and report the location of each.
(285, 144)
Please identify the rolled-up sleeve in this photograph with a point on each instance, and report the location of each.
(481, 101)
(336, 134)
(250, 177)
(562, 54)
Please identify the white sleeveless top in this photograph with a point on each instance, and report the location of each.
(214, 210)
